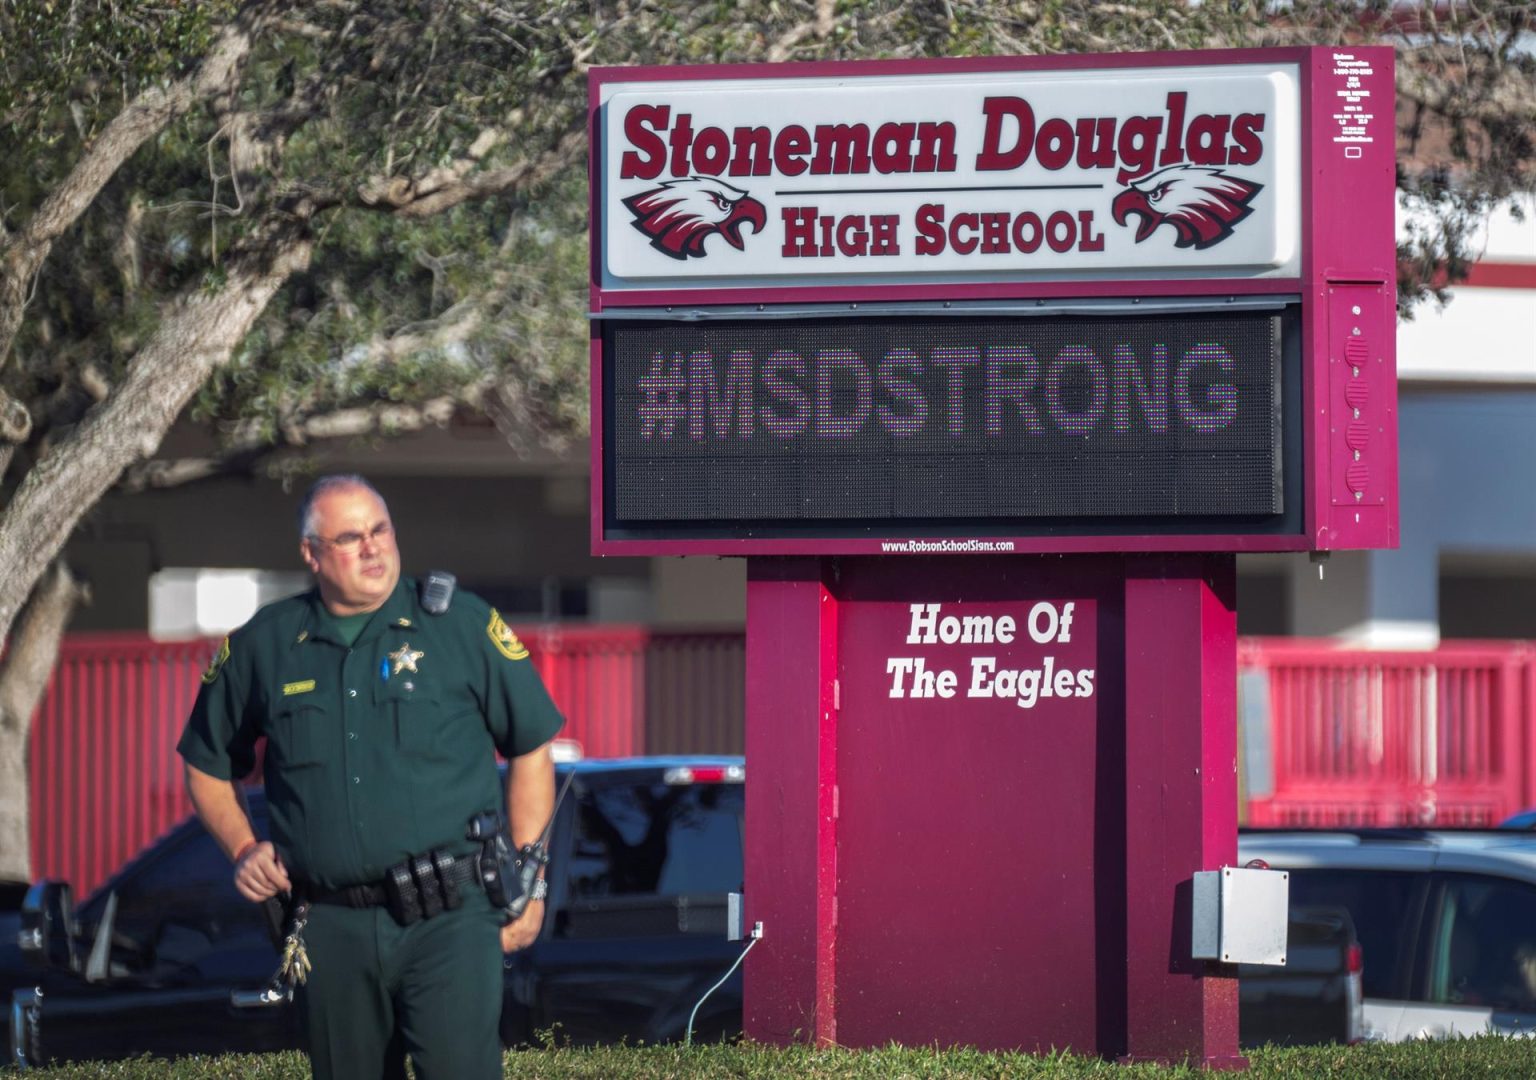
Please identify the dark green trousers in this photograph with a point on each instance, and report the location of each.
(379, 990)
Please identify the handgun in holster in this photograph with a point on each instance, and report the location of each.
(508, 878)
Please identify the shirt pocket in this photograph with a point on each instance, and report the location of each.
(415, 710)
(296, 735)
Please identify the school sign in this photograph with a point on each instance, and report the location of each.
(990, 367)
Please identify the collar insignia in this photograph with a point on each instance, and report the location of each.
(403, 621)
(404, 658)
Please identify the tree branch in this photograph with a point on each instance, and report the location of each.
(15, 420)
(377, 419)
(1502, 102)
(249, 442)
(197, 334)
(140, 120)
(399, 191)
(409, 199)
(252, 439)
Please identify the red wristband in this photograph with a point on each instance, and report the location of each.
(245, 849)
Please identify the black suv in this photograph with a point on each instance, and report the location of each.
(166, 958)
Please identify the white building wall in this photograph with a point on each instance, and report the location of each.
(1486, 334)
(1467, 430)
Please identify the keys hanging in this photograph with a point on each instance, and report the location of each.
(295, 966)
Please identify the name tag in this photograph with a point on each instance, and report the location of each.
(289, 689)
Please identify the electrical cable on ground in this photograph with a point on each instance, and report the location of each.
(688, 1035)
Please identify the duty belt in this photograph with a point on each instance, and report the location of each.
(418, 888)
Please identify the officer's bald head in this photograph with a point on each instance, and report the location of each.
(324, 486)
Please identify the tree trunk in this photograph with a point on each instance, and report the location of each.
(197, 335)
(23, 678)
(15, 806)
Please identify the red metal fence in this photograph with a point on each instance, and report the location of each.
(1388, 738)
(106, 779)
(103, 767)
(1333, 736)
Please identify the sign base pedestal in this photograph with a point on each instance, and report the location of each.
(978, 789)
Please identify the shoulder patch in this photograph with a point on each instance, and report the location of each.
(217, 663)
(504, 639)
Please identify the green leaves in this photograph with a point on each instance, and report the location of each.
(90, 55)
(379, 111)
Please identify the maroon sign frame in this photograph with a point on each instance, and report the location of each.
(1340, 427)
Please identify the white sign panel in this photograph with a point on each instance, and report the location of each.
(984, 176)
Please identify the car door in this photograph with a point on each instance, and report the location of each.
(1481, 974)
(1387, 907)
(636, 928)
(183, 940)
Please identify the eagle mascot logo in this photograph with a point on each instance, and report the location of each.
(681, 214)
(1203, 204)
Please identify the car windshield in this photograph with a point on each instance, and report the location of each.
(661, 839)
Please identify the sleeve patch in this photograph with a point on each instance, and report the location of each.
(217, 663)
(504, 639)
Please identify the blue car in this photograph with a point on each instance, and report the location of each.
(1525, 819)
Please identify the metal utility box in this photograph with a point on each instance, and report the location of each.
(1240, 915)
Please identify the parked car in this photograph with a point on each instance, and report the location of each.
(12, 893)
(166, 958)
(1446, 920)
(1317, 996)
(1525, 819)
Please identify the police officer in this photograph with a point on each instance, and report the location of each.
(382, 720)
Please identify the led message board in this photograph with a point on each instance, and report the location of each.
(1028, 304)
(758, 428)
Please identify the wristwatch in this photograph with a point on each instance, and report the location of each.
(540, 889)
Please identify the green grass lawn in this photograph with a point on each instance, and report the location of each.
(1490, 1058)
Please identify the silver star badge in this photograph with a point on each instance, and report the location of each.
(404, 658)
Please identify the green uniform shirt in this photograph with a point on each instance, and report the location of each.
(377, 751)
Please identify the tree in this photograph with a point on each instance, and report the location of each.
(188, 185)
(294, 221)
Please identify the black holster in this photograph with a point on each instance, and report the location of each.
(498, 870)
(508, 878)
(275, 911)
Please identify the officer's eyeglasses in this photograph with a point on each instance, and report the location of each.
(350, 543)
